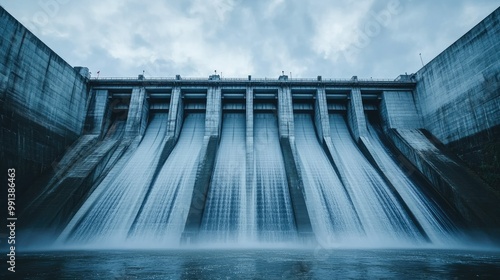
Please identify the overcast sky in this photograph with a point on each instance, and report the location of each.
(335, 39)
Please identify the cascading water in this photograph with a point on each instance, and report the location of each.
(107, 215)
(164, 213)
(433, 220)
(383, 217)
(331, 212)
(224, 217)
(274, 215)
(128, 206)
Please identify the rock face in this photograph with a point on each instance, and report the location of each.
(458, 94)
(43, 102)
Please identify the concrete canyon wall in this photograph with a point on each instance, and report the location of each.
(458, 95)
(43, 102)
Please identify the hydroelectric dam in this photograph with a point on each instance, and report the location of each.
(160, 162)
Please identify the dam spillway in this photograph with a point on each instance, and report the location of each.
(201, 167)
(142, 198)
(194, 164)
(171, 160)
(303, 162)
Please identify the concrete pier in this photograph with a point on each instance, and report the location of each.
(321, 116)
(285, 112)
(250, 158)
(97, 120)
(138, 113)
(175, 120)
(322, 123)
(355, 115)
(207, 156)
(287, 141)
(176, 113)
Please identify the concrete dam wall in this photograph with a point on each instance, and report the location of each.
(43, 102)
(458, 96)
(164, 161)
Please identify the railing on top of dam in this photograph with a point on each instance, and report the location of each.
(405, 82)
(243, 79)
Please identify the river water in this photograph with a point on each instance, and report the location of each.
(276, 263)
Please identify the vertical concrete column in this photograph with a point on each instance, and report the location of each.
(213, 119)
(355, 115)
(98, 115)
(323, 128)
(285, 112)
(138, 113)
(176, 113)
(213, 123)
(174, 125)
(250, 163)
(322, 123)
(288, 149)
(321, 115)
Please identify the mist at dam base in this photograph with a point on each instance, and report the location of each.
(95, 248)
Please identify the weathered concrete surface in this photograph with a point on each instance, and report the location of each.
(213, 123)
(98, 116)
(53, 209)
(138, 113)
(398, 110)
(80, 148)
(460, 188)
(481, 152)
(43, 102)
(285, 112)
(176, 113)
(323, 128)
(321, 115)
(471, 197)
(288, 149)
(250, 158)
(458, 94)
(355, 115)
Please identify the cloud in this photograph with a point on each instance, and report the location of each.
(261, 38)
(335, 28)
(212, 11)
